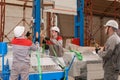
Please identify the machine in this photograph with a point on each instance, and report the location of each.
(52, 68)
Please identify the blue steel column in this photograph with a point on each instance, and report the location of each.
(37, 19)
(79, 22)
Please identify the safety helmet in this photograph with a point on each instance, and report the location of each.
(19, 30)
(55, 28)
(112, 23)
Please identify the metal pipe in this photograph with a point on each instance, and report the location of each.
(37, 17)
(2, 19)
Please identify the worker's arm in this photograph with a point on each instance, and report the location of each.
(33, 47)
(105, 54)
(108, 49)
(59, 42)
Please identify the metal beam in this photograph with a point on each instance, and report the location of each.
(37, 19)
(2, 19)
(13, 4)
(79, 22)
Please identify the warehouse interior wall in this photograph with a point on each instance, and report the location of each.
(14, 14)
(64, 7)
(66, 25)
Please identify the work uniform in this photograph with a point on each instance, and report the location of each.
(110, 71)
(55, 45)
(58, 41)
(21, 58)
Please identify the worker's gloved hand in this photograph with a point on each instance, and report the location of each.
(44, 42)
(28, 33)
(97, 49)
(117, 71)
(47, 38)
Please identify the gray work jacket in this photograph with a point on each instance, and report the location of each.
(108, 51)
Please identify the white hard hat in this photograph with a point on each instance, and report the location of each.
(55, 28)
(19, 30)
(112, 23)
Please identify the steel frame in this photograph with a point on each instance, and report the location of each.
(79, 22)
(37, 20)
(23, 21)
(2, 19)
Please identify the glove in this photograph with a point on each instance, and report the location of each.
(28, 34)
(43, 42)
(47, 38)
(97, 49)
(117, 71)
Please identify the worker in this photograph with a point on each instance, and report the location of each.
(55, 42)
(109, 66)
(21, 50)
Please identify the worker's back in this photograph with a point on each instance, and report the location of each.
(116, 57)
(21, 49)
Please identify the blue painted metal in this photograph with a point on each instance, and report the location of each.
(55, 75)
(79, 22)
(6, 73)
(50, 75)
(5, 68)
(71, 63)
(58, 75)
(3, 48)
(3, 52)
(36, 15)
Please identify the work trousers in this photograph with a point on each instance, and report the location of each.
(20, 68)
(110, 74)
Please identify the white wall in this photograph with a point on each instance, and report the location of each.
(64, 7)
(14, 14)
